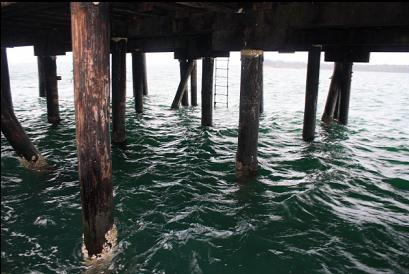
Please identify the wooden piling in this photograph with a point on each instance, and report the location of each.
(250, 92)
(144, 75)
(311, 94)
(193, 84)
(90, 27)
(41, 86)
(51, 88)
(118, 91)
(345, 93)
(207, 91)
(137, 72)
(10, 126)
(262, 89)
(336, 110)
(183, 64)
(333, 95)
(182, 85)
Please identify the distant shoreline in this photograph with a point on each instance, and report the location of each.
(357, 67)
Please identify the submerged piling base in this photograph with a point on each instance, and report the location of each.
(250, 94)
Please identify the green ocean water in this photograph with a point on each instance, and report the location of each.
(337, 205)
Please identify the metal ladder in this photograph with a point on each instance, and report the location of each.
(221, 81)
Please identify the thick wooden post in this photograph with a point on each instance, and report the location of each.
(193, 84)
(118, 91)
(345, 93)
(51, 88)
(137, 67)
(144, 75)
(207, 91)
(11, 127)
(336, 110)
(250, 92)
(333, 94)
(182, 86)
(185, 95)
(90, 27)
(41, 86)
(311, 94)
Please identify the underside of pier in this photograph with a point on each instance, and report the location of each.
(347, 32)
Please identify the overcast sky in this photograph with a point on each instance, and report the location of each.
(26, 55)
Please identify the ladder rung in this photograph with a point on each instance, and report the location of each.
(221, 94)
(221, 86)
(222, 68)
(224, 77)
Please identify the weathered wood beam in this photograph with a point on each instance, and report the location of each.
(182, 85)
(208, 6)
(90, 44)
(250, 91)
(347, 55)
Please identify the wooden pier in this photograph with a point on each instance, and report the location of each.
(345, 32)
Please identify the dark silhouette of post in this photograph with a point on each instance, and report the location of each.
(182, 85)
(41, 87)
(207, 91)
(51, 88)
(311, 94)
(137, 72)
(345, 93)
(144, 75)
(118, 91)
(193, 84)
(333, 95)
(183, 67)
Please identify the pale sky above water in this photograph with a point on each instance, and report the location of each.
(26, 55)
